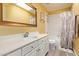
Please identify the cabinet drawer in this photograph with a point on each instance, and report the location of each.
(32, 53)
(15, 53)
(26, 49)
(41, 41)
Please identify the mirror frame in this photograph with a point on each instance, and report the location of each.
(9, 23)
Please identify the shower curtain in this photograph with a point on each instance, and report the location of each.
(68, 30)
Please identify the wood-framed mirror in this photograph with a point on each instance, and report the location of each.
(18, 14)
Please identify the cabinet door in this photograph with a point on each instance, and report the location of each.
(40, 50)
(45, 45)
(36, 52)
(26, 49)
(33, 52)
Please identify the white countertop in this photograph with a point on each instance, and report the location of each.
(9, 45)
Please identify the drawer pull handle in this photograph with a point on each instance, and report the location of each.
(38, 50)
(31, 46)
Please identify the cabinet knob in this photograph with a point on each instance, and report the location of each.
(31, 46)
(38, 50)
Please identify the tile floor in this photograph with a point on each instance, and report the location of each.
(59, 53)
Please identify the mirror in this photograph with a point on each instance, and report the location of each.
(18, 14)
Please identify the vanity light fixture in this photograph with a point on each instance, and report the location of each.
(24, 6)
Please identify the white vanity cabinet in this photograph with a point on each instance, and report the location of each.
(15, 53)
(36, 48)
(46, 47)
(27, 48)
(41, 49)
(36, 52)
(33, 52)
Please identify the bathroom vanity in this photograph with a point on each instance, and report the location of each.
(38, 46)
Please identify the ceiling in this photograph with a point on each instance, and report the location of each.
(56, 6)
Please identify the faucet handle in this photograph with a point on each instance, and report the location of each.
(26, 34)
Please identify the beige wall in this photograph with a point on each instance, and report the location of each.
(75, 9)
(0, 12)
(8, 30)
(40, 25)
(76, 45)
(76, 41)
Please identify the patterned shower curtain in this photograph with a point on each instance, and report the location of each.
(68, 30)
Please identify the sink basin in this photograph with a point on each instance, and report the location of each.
(30, 38)
(33, 34)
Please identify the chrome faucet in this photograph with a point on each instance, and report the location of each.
(26, 34)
